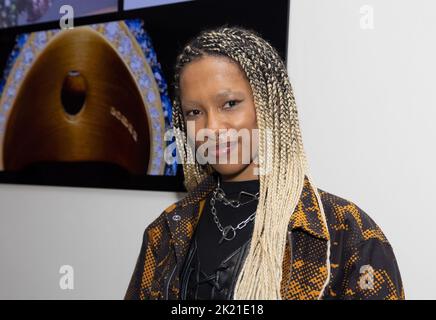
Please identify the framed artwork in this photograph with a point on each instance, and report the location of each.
(91, 106)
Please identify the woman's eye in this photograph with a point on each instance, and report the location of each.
(231, 103)
(192, 113)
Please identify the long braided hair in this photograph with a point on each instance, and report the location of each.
(284, 162)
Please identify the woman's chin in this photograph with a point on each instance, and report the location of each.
(229, 169)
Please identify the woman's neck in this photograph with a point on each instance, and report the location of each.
(244, 175)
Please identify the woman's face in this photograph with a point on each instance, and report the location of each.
(215, 97)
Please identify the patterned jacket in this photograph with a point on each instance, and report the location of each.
(361, 260)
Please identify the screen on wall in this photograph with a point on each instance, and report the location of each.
(91, 105)
(136, 4)
(23, 12)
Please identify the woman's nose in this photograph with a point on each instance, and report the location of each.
(216, 123)
(217, 132)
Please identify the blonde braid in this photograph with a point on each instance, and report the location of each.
(281, 187)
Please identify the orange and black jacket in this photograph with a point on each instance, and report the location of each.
(352, 259)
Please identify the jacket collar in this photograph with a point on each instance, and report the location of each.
(308, 215)
(182, 221)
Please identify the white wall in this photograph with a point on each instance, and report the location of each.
(96, 231)
(366, 105)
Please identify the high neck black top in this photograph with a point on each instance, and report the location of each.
(209, 252)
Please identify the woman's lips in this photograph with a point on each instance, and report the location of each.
(223, 149)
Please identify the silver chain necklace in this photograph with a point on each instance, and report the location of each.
(219, 195)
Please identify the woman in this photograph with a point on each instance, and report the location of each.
(256, 229)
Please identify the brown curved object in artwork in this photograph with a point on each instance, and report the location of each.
(78, 102)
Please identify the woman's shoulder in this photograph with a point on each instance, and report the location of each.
(170, 210)
(161, 218)
(344, 215)
(190, 199)
(362, 260)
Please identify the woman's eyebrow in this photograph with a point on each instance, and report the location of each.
(226, 93)
(189, 104)
(218, 97)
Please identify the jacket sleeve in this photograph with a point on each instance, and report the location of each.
(374, 273)
(140, 283)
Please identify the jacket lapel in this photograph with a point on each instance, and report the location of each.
(183, 220)
(306, 257)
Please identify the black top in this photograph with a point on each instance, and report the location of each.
(210, 253)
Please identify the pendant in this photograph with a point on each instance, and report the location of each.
(226, 230)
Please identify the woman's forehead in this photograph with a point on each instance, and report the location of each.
(213, 74)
